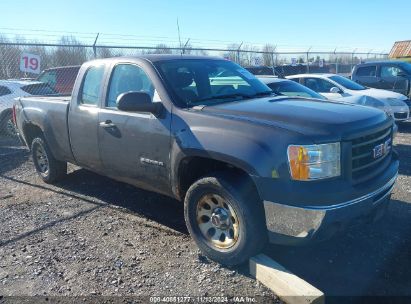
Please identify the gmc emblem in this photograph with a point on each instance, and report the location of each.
(382, 149)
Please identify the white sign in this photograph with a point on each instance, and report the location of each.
(321, 63)
(293, 61)
(30, 63)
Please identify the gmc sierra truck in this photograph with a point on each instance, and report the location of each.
(250, 166)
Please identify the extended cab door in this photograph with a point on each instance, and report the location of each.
(83, 117)
(134, 147)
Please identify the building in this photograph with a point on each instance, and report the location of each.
(401, 50)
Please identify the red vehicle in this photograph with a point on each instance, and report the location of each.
(61, 79)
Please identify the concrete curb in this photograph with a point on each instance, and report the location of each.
(286, 285)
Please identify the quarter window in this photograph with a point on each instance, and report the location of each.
(129, 78)
(91, 86)
(367, 71)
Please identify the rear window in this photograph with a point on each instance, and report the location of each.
(38, 89)
(370, 71)
(4, 91)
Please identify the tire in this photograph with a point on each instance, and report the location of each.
(245, 232)
(7, 127)
(48, 168)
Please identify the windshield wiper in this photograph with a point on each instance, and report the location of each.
(261, 94)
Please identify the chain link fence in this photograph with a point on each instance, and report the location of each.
(21, 64)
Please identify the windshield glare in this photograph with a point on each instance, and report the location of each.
(347, 83)
(206, 81)
(291, 88)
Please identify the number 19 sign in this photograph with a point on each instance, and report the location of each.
(30, 63)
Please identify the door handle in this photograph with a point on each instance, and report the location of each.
(107, 124)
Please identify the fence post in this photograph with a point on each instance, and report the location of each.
(185, 45)
(94, 46)
(238, 53)
(308, 63)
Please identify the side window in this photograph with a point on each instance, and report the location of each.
(91, 85)
(318, 85)
(129, 78)
(367, 71)
(389, 71)
(4, 91)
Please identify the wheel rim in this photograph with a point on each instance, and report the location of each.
(217, 221)
(41, 159)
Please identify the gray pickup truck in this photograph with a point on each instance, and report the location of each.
(251, 166)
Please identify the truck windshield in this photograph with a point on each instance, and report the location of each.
(347, 83)
(207, 81)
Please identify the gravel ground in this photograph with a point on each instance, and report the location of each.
(89, 235)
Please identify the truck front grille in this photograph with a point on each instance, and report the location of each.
(369, 154)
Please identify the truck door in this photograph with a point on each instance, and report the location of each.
(134, 147)
(390, 80)
(83, 118)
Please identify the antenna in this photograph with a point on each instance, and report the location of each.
(179, 37)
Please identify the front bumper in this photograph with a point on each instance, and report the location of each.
(292, 225)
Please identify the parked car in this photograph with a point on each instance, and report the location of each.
(388, 75)
(61, 79)
(281, 86)
(335, 86)
(250, 166)
(10, 89)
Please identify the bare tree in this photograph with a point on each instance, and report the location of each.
(71, 52)
(268, 55)
(9, 59)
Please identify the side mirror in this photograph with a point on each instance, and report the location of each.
(137, 102)
(335, 90)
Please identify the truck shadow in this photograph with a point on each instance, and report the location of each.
(371, 260)
(404, 152)
(404, 127)
(156, 207)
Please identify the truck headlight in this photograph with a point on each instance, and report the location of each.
(311, 162)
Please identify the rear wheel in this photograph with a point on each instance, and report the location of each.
(225, 218)
(49, 168)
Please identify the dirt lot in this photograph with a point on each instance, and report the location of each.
(90, 235)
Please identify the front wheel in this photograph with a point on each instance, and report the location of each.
(49, 168)
(225, 218)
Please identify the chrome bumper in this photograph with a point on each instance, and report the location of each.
(293, 225)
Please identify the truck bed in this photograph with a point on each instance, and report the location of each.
(49, 113)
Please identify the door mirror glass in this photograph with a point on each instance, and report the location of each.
(137, 102)
(335, 90)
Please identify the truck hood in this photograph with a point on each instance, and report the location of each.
(321, 120)
(377, 93)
